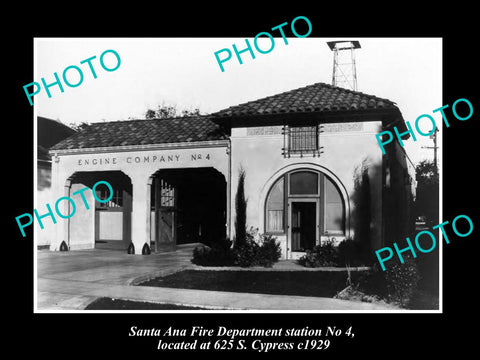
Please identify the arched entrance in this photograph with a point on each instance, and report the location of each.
(307, 206)
(105, 225)
(187, 206)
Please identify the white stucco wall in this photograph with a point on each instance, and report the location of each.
(43, 236)
(345, 146)
(139, 164)
(81, 230)
(43, 195)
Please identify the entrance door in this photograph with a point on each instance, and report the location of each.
(165, 215)
(165, 229)
(303, 226)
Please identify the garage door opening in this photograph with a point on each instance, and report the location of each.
(187, 206)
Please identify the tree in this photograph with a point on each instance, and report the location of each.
(164, 111)
(79, 127)
(241, 211)
(150, 114)
(361, 198)
(194, 112)
(427, 199)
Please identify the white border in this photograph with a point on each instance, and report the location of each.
(402, 311)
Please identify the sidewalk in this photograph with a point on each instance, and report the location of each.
(82, 293)
(71, 280)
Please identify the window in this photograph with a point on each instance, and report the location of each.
(304, 183)
(167, 194)
(162, 194)
(275, 207)
(103, 193)
(301, 140)
(334, 214)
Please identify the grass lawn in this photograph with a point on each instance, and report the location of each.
(119, 304)
(301, 283)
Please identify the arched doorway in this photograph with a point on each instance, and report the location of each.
(104, 225)
(307, 206)
(187, 206)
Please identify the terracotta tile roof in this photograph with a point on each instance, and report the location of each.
(143, 132)
(318, 97)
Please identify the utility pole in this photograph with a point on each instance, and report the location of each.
(434, 147)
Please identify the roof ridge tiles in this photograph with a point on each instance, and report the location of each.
(152, 120)
(314, 97)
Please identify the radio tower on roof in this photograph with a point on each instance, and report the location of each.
(344, 70)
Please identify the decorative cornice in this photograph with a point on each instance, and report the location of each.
(148, 147)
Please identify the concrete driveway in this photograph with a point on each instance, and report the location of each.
(67, 280)
(72, 280)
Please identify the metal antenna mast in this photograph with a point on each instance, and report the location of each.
(344, 69)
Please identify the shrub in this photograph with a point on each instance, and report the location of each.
(321, 255)
(265, 253)
(348, 250)
(247, 254)
(402, 280)
(372, 282)
(220, 254)
(397, 284)
(348, 253)
(269, 251)
(309, 260)
(354, 253)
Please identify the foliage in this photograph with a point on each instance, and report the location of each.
(220, 254)
(241, 211)
(361, 198)
(348, 253)
(427, 198)
(250, 253)
(398, 284)
(269, 251)
(164, 111)
(402, 280)
(265, 253)
(79, 127)
(325, 254)
(246, 253)
(354, 253)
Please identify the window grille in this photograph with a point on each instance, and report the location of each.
(301, 140)
(167, 194)
(115, 202)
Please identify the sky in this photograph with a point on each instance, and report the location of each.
(184, 72)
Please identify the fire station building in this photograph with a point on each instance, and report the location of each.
(314, 172)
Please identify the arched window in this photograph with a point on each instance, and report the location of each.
(334, 209)
(275, 207)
